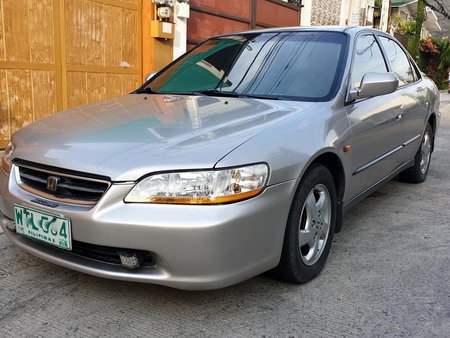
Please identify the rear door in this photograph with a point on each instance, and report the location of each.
(412, 96)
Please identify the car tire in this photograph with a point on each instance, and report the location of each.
(310, 227)
(418, 172)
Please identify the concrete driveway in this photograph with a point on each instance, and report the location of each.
(388, 275)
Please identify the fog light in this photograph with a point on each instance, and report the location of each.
(131, 260)
(8, 223)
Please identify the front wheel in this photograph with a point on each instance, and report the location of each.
(310, 227)
(418, 173)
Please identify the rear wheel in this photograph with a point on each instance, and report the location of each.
(418, 173)
(310, 227)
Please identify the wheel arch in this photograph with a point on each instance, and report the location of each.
(333, 163)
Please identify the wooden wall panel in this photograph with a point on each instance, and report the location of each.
(75, 36)
(276, 15)
(17, 41)
(2, 34)
(20, 96)
(44, 93)
(76, 89)
(120, 84)
(130, 38)
(114, 86)
(5, 130)
(95, 86)
(28, 31)
(85, 33)
(88, 87)
(100, 34)
(28, 67)
(42, 42)
(130, 83)
(94, 33)
(56, 54)
(105, 35)
(113, 30)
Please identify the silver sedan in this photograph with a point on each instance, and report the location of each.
(240, 157)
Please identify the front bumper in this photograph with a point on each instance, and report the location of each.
(195, 247)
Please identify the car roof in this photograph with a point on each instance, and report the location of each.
(351, 30)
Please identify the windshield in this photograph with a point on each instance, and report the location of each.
(296, 65)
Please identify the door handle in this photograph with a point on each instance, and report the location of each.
(398, 117)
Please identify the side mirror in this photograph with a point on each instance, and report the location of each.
(149, 76)
(375, 84)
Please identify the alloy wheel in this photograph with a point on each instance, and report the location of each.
(425, 153)
(314, 224)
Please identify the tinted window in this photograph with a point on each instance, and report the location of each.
(398, 60)
(302, 65)
(368, 58)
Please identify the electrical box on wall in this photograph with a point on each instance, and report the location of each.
(182, 9)
(162, 29)
(162, 25)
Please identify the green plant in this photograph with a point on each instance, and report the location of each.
(420, 18)
(435, 59)
(403, 26)
(377, 9)
(427, 46)
(445, 55)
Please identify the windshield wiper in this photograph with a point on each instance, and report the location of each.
(216, 92)
(210, 92)
(260, 96)
(147, 90)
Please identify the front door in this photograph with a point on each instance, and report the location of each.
(373, 122)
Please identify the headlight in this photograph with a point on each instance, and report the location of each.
(7, 157)
(201, 187)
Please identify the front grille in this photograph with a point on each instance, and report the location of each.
(60, 185)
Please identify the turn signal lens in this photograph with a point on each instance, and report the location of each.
(201, 187)
(7, 158)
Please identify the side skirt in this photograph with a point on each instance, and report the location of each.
(362, 195)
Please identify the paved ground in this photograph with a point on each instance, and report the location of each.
(388, 275)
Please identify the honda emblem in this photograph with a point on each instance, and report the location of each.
(52, 183)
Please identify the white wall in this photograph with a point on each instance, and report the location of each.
(181, 15)
(351, 11)
(305, 19)
(345, 12)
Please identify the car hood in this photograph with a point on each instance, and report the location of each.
(128, 137)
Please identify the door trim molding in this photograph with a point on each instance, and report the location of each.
(382, 157)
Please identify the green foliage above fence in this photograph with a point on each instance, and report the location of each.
(435, 59)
